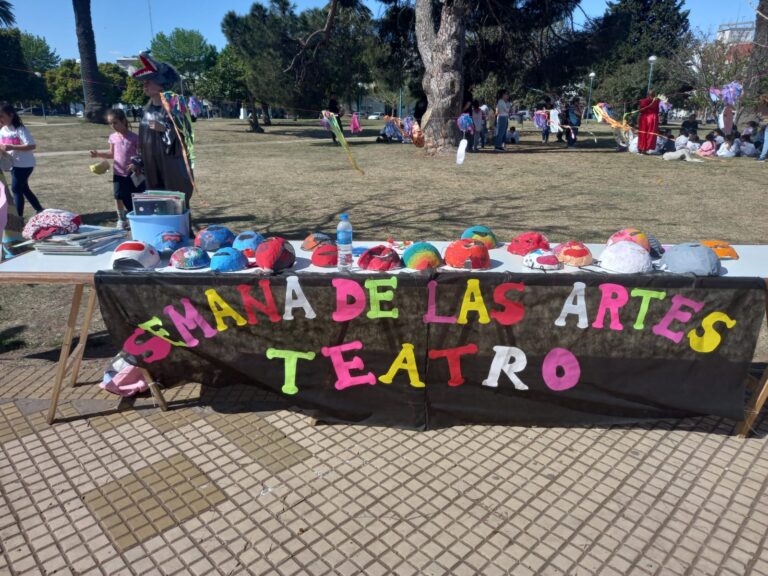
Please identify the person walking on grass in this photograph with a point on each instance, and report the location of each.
(17, 142)
(502, 119)
(123, 145)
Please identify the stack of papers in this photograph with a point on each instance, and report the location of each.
(88, 240)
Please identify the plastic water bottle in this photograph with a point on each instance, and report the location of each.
(344, 242)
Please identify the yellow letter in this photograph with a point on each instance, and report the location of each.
(221, 310)
(473, 302)
(711, 338)
(404, 361)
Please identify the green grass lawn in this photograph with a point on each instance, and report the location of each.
(292, 180)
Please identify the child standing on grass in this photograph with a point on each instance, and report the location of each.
(123, 144)
(17, 142)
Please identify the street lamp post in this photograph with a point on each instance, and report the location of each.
(82, 81)
(589, 98)
(651, 60)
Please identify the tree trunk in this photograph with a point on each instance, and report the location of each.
(266, 120)
(93, 89)
(253, 120)
(758, 63)
(442, 53)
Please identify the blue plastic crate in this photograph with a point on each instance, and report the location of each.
(146, 228)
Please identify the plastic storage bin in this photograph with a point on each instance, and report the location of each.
(146, 228)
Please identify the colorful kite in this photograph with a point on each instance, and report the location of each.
(334, 127)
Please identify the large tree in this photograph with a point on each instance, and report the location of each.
(188, 51)
(114, 80)
(297, 60)
(226, 80)
(462, 42)
(38, 54)
(392, 55)
(756, 88)
(442, 52)
(64, 83)
(649, 27)
(134, 92)
(95, 106)
(14, 80)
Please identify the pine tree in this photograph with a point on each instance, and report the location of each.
(650, 27)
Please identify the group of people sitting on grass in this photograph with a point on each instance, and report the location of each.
(689, 146)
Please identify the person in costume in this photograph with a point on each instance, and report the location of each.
(165, 132)
(123, 145)
(17, 142)
(649, 123)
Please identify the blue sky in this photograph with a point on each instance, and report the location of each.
(123, 28)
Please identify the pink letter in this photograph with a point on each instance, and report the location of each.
(676, 312)
(431, 316)
(190, 320)
(614, 297)
(342, 367)
(346, 310)
(565, 361)
(152, 350)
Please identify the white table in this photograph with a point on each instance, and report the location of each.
(36, 268)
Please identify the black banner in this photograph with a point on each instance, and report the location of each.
(426, 351)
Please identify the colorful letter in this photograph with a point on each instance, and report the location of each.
(151, 350)
(564, 360)
(346, 310)
(375, 297)
(221, 309)
(512, 312)
(431, 316)
(342, 367)
(453, 355)
(575, 304)
(155, 326)
(676, 312)
(291, 358)
(509, 360)
(614, 297)
(268, 307)
(473, 302)
(710, 340)
(646, 295)
(190, 320)
(295, 298)
(404, 361)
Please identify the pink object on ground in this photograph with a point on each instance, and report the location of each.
(128, 382)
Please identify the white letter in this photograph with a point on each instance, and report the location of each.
(509, 360)
(575, 304)
(295, 298)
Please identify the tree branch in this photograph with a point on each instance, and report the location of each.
(325, 31)
(425, 30)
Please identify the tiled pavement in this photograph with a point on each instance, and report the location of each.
(260, 491)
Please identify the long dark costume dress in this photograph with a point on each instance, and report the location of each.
(649, 124)
(161, 152)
